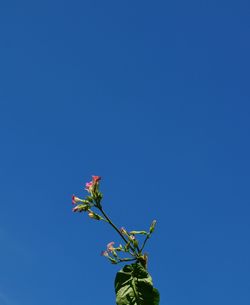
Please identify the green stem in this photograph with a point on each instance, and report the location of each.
(126, 260)
(114, 226)
(144, 243)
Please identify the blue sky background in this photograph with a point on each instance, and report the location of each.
(154, 97)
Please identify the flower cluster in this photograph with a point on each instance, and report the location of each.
(92, 200)
(131, 246)
(131, 239)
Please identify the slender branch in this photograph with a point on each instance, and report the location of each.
(137, 247)
(144, 243)
(131, 253)
(114, 226)
(126, 260)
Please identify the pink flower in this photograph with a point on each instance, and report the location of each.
(88, 186)
(104, 253)
(76, 208)
(110, 247)
(96, 179)
(75, 199)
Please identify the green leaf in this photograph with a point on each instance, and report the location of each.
(134, 286)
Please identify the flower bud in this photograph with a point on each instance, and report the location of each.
(131, 237)
(135, 243)
(120, 248)
(94, 216)
(152, 227)
(105, 253)
(126, 248)
(123, 231)
(138, 232)
(80, 208)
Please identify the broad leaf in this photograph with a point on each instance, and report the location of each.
(134, 286)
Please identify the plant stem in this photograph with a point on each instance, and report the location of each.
(144, 243)
(114, 226)
(126, 260)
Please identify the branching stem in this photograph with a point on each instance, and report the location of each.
(115, 227)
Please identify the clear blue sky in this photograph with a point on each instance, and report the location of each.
(154, 97)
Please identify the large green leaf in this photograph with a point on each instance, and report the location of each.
(134, 286)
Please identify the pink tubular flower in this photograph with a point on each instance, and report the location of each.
(75, 199)
(104, 253)
(88, 186)
(76, 208)
(96, 179)
(110, 247)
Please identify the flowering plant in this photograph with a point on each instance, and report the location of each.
(133, 284)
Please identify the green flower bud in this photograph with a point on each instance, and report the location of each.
(80, 208)
(94, 216)
(138, 232)
(126, 248)
(152, 227)
(135, 243)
